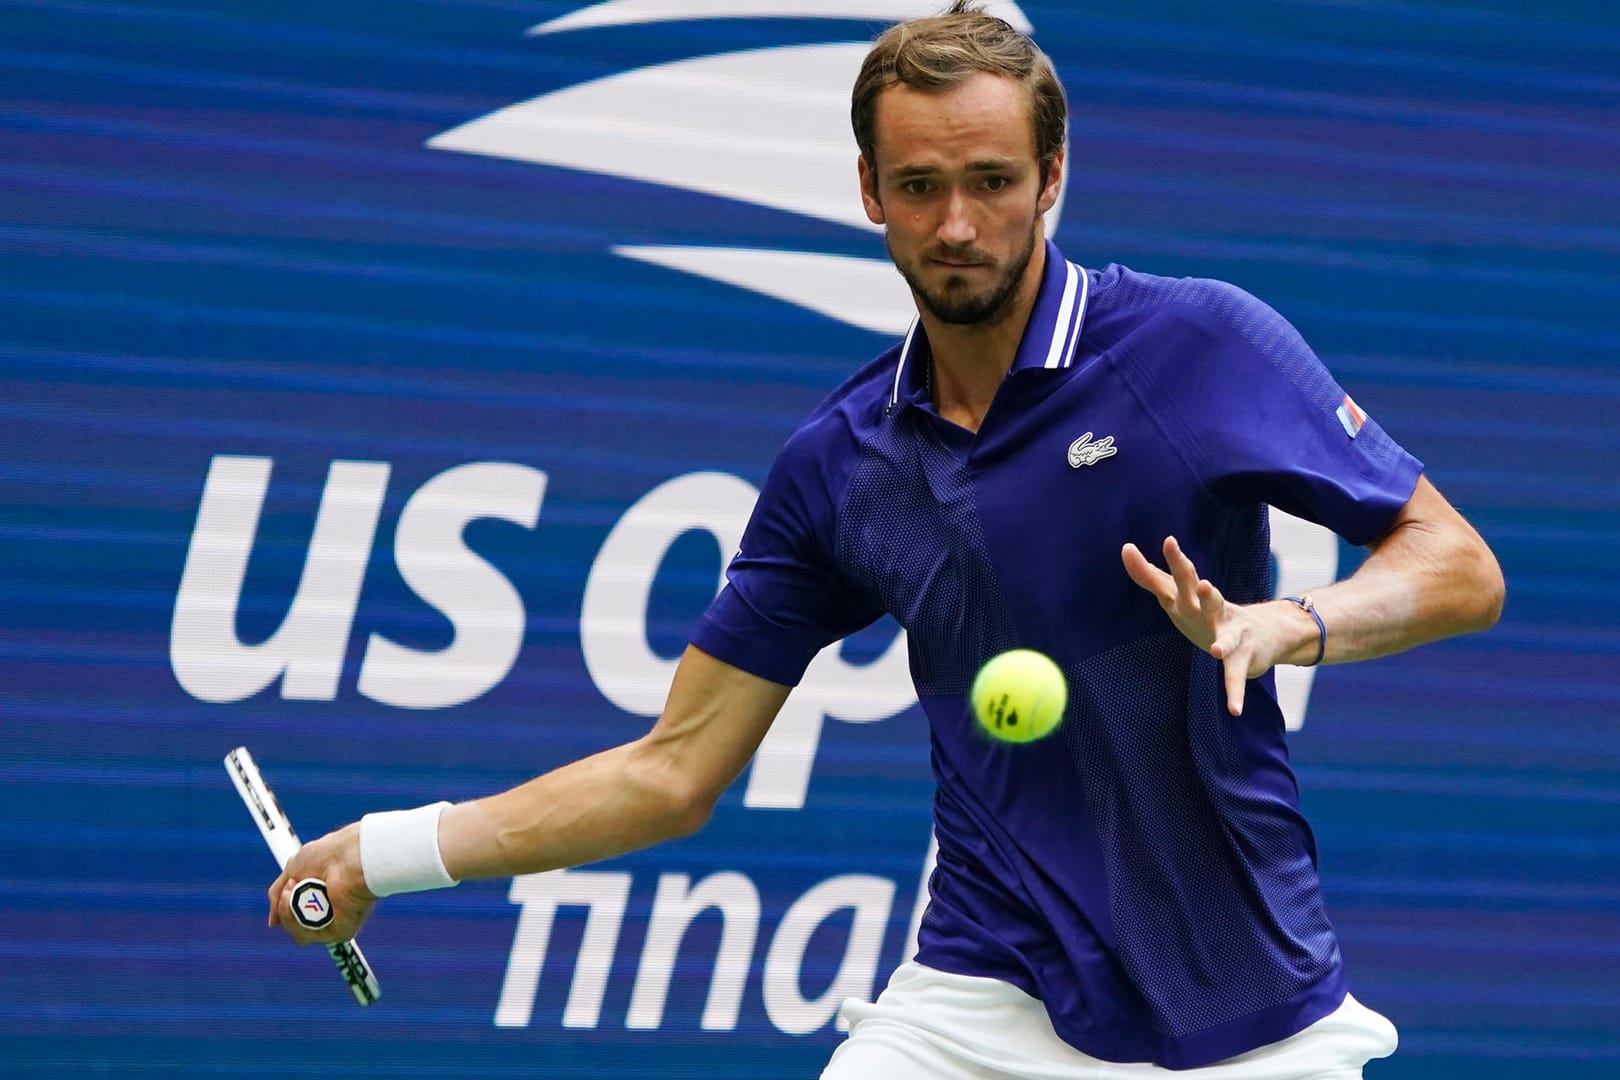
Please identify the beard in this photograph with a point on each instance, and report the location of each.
(953, 303)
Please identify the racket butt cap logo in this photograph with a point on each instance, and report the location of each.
(310, 905)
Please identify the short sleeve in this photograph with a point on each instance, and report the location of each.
(1267, 423)
(784, 599)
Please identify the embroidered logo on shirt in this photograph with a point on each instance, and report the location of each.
(1350, 416)
(1085, 452)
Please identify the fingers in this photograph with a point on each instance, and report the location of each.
(337, 930)
(1147, 575)
(1234, 672)
(1236, 681)
(281, 901)
(1197, 595)
(277, 895)
(335, 860)
(281, 896)
(1182, 592)
(1183, 571)
(1199, 611)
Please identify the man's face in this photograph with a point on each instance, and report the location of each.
(958, 188)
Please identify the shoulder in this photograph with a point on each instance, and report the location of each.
(1151, 312)
(1200, 353)
(812, 471)
(836, 428)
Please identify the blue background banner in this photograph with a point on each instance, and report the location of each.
(382, 386)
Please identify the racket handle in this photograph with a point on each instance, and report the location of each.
(313, 910)
(351, 964)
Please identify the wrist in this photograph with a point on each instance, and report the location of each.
(354, 868)
(1311, 646)
(399, 851)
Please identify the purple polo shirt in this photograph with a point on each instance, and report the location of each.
(1145, 872)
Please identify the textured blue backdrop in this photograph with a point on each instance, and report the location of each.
(222, 233)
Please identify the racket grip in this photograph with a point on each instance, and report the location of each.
(351, 964)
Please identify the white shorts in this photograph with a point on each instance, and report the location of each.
(931, 1025)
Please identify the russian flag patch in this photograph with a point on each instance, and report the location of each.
(1351, 416)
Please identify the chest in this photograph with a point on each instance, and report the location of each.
(1014, 536)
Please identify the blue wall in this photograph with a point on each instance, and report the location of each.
(225, 244)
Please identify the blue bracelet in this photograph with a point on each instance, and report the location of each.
(1309, 607)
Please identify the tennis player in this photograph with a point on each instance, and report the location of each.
(1074, 460)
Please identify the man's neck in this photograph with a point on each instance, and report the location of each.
(969, 362)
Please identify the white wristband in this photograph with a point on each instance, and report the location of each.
(399, 851)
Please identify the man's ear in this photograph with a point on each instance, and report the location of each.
(869, 196)
(1054, 182)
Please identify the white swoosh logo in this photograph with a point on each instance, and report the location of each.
(861, 292)
(768, 127)
(626, 12)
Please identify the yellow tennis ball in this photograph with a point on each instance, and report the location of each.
(1019, 696)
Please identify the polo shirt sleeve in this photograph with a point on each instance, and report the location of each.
(785, 599)
(1267, 422)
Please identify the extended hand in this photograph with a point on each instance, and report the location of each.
(1244, 638)
(335, 859)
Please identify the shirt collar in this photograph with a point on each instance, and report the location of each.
(1051, 337)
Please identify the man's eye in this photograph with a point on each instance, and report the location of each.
(996, 183)
(915, 187)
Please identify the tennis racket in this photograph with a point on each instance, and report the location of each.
(310, 904)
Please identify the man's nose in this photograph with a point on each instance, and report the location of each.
(957, 229)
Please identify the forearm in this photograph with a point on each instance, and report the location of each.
(661, 786)
(605, 805)
(1425, 580)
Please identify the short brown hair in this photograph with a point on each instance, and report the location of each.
(941, 52)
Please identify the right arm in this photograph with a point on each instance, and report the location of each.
(658, 787)
(783, 603)
(661, 786)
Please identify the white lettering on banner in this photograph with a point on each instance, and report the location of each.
(676, 905)
(1307, 558)
(871, 898)
(209, 660)
(613, 619)
(604, 894)
(613, 636)
(211, 663)
(480, 602)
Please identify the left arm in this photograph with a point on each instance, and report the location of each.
(1429, 577)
